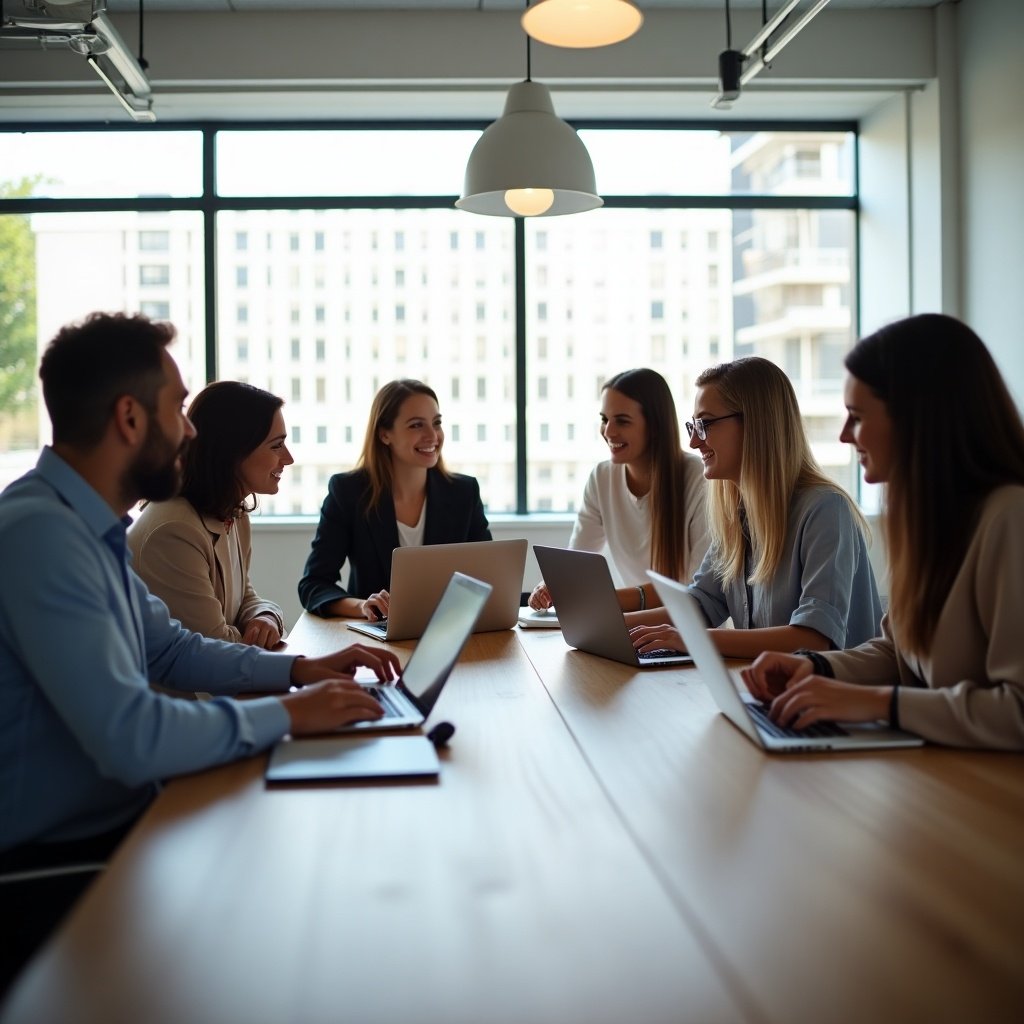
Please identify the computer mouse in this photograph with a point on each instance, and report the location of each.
(441, 734)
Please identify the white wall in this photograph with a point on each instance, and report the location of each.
(280, 550)
(990, 37)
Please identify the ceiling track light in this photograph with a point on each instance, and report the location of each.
(582, 24)
(738, 67)
(529, 163)
(84, 28)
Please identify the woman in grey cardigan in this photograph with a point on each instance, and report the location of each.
(931, 419)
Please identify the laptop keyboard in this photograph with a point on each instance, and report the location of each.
(823, 729)
(664, 652)
(381, 695)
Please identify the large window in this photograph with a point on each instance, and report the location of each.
(338, 263)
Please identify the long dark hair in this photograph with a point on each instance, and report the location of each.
(665, 458)
(956, 437)
(232, 420)
(376, 455)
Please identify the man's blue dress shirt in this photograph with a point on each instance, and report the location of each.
(83, 738)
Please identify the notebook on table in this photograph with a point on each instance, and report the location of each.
(539, 618)
(353, 757)
(419, 575)
(409, 700)
(583, 591)
(746, 713)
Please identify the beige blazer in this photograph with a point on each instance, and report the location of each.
(969, 690)
(184, 559)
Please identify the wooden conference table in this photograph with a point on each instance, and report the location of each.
(601, 846)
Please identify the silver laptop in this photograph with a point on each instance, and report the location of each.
(582, 590)
(747, 714)
(409, 700)
(419, 575)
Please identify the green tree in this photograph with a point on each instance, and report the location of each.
(17, 303)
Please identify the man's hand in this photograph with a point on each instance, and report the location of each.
(328, 705)
(384, 664)
(262, 631)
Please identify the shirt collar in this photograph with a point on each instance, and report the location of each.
(78, 495)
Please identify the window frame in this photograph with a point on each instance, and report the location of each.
(210, 204)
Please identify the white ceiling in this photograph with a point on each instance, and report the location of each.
(227, 71)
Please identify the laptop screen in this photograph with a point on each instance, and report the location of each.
(438, 649)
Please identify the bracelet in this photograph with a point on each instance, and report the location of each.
(894, 707)
(643, 598)
(818, 661)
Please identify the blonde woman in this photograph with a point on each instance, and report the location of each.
(400, 494)
(932, 421)
(788, 561)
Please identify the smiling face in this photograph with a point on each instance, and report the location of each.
(416, 437)
(624, 427)
(260, 471)
(868, 428)
(722, 450)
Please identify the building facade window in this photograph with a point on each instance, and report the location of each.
(540, 312)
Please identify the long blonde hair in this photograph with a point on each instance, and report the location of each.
(777, 464)
(375, 457)
(666, 461)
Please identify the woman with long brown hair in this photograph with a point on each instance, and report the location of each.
(646, 502)
(933, 422)
(399, 494)
(194, 551)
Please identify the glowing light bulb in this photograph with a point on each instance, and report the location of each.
(529, 202)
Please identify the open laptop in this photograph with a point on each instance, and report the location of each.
(409, 700)
(583, 591)
(419, 575)
(747, 714)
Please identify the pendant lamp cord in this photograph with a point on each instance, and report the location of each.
(728, 26)
(527, 34)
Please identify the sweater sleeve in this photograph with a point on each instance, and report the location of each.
(252, 604)
(986, 709)
(588, 533)
(173, 561)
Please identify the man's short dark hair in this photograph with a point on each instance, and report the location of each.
(89, 366)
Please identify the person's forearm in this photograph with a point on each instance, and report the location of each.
(749, 643)
(632, 600)
(649, 617)
(349, 606)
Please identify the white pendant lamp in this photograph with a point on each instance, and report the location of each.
(582, 23)
(529, 163)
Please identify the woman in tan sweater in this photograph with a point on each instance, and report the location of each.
(193, 552)
(931, 419)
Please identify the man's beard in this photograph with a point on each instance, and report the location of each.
(155, 475)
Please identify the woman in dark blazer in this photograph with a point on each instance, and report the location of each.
(399, 494)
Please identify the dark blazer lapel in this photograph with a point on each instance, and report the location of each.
(383, 530)
(439, 496)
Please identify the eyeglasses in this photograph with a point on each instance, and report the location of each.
(700, 427)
